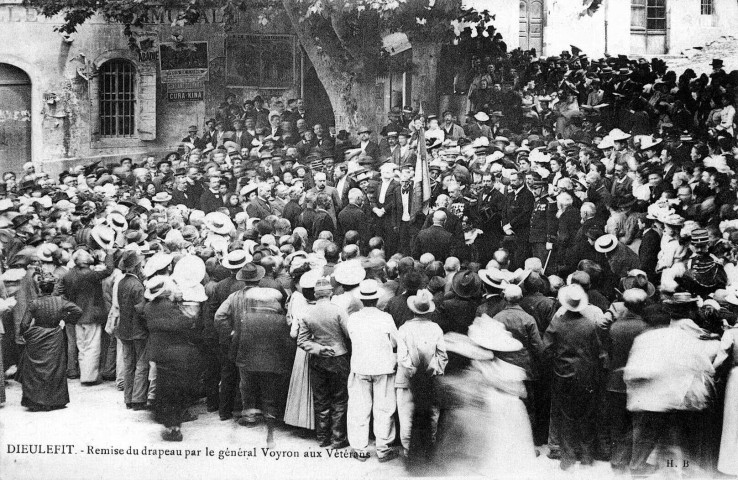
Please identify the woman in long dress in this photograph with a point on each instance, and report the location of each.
(44, 366)
(299, 411)
(728, 459)
(173, 336)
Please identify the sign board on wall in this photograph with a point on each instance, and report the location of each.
(185, 91)
(183, 62)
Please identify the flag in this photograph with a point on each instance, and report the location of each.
(421, 182)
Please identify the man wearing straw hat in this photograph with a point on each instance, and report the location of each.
(371, 383)
(572, 345)
(229, 396)
(421, 354)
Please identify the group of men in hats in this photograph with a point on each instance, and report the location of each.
(588, 210)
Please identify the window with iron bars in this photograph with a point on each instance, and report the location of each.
(707, 7)
(117, 99)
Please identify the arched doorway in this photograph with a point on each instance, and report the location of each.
(15, 118)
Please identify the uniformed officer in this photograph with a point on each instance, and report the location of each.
(543, 221)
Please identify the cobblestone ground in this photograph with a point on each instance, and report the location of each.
(97, 418)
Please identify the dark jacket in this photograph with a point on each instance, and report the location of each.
(519, 211)
(543, 221)
(291, 212)
(83, 286)
(625, 327)
(541, 308)
(435, 240)
(184, 198)
(322, 222)
(648, 252)
(258, 208)
(352, 217)
(260, 330)
(573, 347)
(131, 326)
(210, 202)
(523, 328)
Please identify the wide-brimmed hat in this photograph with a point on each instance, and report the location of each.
(617, 135)
(573, 298)
(161, 197)
(129, 260)
(159, 261)
(349, 273)
(650, 142)
(680, 298)
(236, 259)
(310, 278)
(219, 223)
(493, 277)
(421, 303)
(369, 290)
(117, 221)
(103, 235)
(247, 189)
(481, 117)
(466, 347)
(45, 251)
(466, 284)
(492, 335)
(674, 220)
(189, 271)
(251, 273)
(158, 286)
(606, 243)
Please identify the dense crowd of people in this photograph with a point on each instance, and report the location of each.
(571, 281)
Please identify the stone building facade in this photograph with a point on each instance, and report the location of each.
(88, 96)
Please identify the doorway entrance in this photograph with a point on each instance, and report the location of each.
(15, 118)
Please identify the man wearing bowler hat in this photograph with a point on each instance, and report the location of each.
(254, 319)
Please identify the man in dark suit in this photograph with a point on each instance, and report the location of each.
(342, 183)
(517, 219)
(434, 239)
(193, 138)
(650, 247)
(258, 206)
(323, 221)
(211, 199)
(368, 146)
(452, 223)
(387, 209)
(352, 217)
(490, 207)
(180, 193)
(241, 136)
(210, 133)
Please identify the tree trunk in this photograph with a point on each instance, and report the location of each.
(425, 75)
(350, 93)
